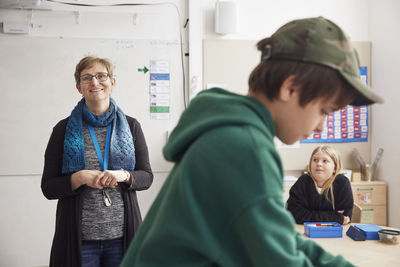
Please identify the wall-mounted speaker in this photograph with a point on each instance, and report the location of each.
(225, 17)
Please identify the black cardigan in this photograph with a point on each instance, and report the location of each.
(307, 205)
(66, 247)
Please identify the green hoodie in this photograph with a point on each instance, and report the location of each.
(222, 204)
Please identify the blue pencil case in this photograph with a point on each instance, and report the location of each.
(370, 230)
(355, 233)
(323, 229)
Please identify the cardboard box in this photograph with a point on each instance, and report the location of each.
(356, 177)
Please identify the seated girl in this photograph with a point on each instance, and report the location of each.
(322, 195)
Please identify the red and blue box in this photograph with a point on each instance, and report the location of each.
(323, 229)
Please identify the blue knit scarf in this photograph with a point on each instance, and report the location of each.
(122, 150)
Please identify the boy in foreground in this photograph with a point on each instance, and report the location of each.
(222, 204)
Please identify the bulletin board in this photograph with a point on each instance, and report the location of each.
(228, 64)
(38, 90)
(349, 124)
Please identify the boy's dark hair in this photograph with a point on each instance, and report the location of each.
(315, 81)
(320, 56)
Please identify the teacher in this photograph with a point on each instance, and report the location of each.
(95, 161)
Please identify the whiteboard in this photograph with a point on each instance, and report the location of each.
(38, 89)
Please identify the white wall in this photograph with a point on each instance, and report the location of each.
(258, 19)
(27, 217)
(384, 28)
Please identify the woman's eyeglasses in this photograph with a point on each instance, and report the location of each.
(101, 77)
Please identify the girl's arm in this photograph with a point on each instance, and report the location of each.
(343, 195)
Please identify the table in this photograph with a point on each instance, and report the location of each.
(360, 253)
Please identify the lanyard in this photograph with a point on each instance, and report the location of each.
(103, 164)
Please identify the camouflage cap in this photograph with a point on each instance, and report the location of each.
(319, 40)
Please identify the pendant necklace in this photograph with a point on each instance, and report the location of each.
(103, 163)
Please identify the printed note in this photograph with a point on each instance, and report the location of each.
(159, 90)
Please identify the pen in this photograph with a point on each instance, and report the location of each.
(326, 224)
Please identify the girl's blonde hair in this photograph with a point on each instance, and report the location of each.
(335, 156)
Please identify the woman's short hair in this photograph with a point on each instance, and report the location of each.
(89, 61)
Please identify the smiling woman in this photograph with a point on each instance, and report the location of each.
(96, 91)
(97, 212)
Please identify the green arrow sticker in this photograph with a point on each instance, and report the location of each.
(144, 69)
(159, 109)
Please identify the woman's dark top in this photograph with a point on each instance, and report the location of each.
(307, 205)
(66, 247)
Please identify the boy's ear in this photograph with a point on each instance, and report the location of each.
(288, 89)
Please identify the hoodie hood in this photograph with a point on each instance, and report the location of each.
(215, 108)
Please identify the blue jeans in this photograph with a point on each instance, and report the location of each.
(102, 253)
